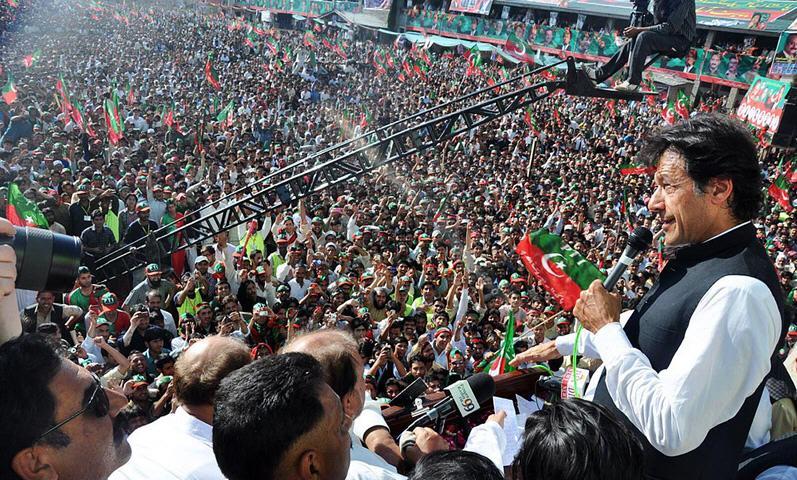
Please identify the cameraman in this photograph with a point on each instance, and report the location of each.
(673, 30)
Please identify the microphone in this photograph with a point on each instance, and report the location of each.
(464, 396)
(639, 240)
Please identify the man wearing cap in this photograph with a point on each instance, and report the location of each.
(155, 199)
(153, 281)
(86, 294)
(118, 319)
(80, 212)
(141, 227)
(97, 239)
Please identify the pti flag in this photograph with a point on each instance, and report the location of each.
(22, 212)
(561, 270)
(506, 353)
(779, 190)
(519, 49)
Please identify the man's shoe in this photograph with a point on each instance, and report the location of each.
(626, 86)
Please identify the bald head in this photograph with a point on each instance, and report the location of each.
(201, 368)
(339, 357)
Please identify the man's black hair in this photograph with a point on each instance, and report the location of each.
(416, 358)
(456, 465)
(261, 410)
(27, 406)
(714, 146)
(576, 439)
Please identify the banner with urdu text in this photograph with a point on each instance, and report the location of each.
(762, 106)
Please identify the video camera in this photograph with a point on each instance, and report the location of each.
(45, 260)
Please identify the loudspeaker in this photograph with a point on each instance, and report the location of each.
(786, 136)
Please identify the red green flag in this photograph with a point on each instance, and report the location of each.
(22, 212)
(519, 49)
(474, 61)
(561, 270)
(531, 122)
(626, 211)
(669, 113)
(211, 76)
(10, 90)
(271, 45)
(440, 209)
(131, 94)
(30, 60)
(506, 353)
(249, 40)
(309, 39)
(13, 3)
(682, 104)
(779, 190)
(650, 87)
(112, 120)
(633, 169)
(225, 116)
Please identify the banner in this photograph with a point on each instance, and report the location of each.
(762, 106)
(478, 7)
(723, 68)
(785, 55)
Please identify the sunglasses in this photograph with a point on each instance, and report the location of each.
(98, 404)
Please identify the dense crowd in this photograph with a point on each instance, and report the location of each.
(416, 260)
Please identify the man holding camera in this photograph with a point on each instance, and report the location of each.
(673, 31)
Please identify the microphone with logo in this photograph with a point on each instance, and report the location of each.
(639, 241)
(464, 396)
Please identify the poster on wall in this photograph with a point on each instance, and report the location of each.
(785, 62)
(762, 106)
(758, 21)
(478, 7)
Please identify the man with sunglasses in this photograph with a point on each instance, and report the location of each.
(56, 420)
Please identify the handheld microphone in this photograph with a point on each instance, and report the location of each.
(464, 396)
(639, 240)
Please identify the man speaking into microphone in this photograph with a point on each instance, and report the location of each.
(687, 366)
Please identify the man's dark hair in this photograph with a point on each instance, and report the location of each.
(456, 465)
(714, 146)
(417, 358)
(576, 439)
(261, 410)
(27, 406)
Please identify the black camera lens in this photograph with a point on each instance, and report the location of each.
(45, 260)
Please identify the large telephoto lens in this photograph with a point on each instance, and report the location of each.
(45, 260)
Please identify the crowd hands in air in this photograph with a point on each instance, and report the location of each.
(415, 262)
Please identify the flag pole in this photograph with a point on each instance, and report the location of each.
(531, 157)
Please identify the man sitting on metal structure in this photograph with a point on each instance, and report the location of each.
(672, 32)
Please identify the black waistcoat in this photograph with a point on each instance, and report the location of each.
(657, 328)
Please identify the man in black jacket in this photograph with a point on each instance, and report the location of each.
(673, 31)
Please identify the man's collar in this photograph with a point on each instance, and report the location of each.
(734, 237)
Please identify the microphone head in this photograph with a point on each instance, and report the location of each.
(640, 239)
(483, 386)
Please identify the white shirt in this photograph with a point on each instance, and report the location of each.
(722, 359)
(177, 446)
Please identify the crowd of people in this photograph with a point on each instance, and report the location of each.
(416, 260)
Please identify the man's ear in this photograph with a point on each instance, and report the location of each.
(33, 464)
(309, 466)
(721, 190)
